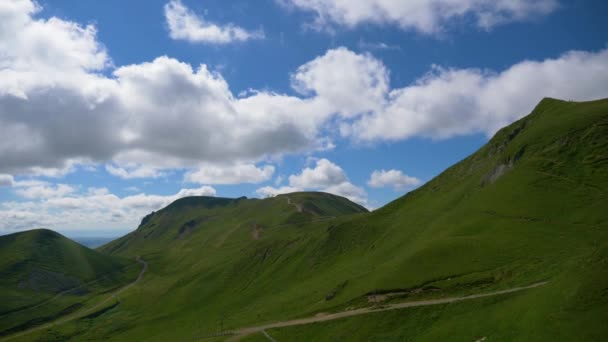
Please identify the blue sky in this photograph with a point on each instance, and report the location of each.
(106, 113)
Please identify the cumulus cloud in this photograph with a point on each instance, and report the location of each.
(56, 109)
(48, 85)
(350, 83)
(42, 190)
(392, 178)
(186, 25)
(348, 190)
(325, 176)
(96, 208)
(449, 102)
(426, 16)
(47, 46)
(231, 174)
(59, 107)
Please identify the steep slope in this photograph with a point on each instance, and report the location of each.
(529, 206)
(43, 273)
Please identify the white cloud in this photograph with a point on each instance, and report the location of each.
(348, 190)
(350, 83)
(269, 191)
(98, 191)
(426, 16)
(325, 176)
(133, 171)
(230, 174)
(186, 25)
(393, 178)
(67, 45)
(451, 102)
(52, 172)
(57, 109)
(202, 191)
(42, 190)
(6, 180)
(96, 208)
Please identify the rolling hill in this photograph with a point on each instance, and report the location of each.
(45, 275)
(187, 216)
(529, 207)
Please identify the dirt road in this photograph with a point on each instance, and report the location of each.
(240, 333)
(86, 311)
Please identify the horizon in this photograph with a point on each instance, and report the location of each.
(132, 106)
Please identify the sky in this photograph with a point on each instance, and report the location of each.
(112, 109)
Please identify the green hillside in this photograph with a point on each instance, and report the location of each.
(529, 206)
(44, 275)
(199, 217)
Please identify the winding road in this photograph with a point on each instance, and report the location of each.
(80, 314)
(240, 333)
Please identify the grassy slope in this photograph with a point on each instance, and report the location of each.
(211, 256)
(472, 229)
(37, 265)
(544, 219)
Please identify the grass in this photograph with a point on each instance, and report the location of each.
(529, 206)
(46, 276)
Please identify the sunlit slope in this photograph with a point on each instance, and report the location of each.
(529, 206)
(534, 196)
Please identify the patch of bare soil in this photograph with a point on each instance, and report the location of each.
(256, 233)
(298, 206)
(382, 297)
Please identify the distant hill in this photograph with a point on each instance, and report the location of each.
(179, 220)
(528, 207)
(38, 265)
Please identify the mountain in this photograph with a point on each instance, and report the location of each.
(44, 274)
(179, 222)
(528, 208)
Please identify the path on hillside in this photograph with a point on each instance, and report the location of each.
(80, 314)
(240, 333)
